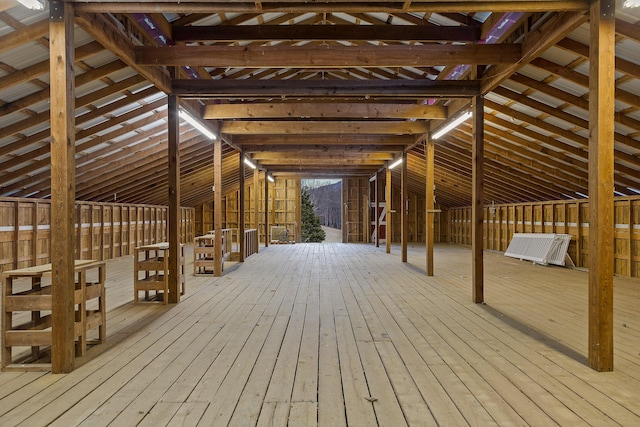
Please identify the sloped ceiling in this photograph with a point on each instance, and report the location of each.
(317, 90)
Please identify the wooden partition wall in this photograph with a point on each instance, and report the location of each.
(284, 208)
(564, 217)
(107, 230)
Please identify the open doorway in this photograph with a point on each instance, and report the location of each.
(326, 196)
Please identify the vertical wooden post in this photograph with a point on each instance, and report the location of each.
(34, 245)
(16, 234)
(267, 234)
(601, 183)
(217, 206)
(174, 199)
(241, 208)
(477, 211)
(376, 226)
(63, 185)
(298, 211)
(630, 241)
(389, 227)
(404, 227)
(256, 206)
(430, 205)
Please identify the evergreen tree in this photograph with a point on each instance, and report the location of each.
(311, 229)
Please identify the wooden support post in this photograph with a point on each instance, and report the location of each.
(63, 185)
(256, 206)
(174, 199)
(16, 234)
(217, 206)
(430, 203)
(34, 243)
(298, 229)
(630, 241)
(477, 211)
(267, 234)
(389, 227)
(241, 208)
(601, 183)
(404, 227)
(376, 226)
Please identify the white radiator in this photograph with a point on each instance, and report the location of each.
(540, 248)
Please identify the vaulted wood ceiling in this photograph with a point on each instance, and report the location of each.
(317, 90)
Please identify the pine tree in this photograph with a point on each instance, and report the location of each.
(311, 229)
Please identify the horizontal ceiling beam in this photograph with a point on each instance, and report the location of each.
(325, 88)
(322, 140)
(309, 56)
(258, 148)
(323, 127)
(352, 110)
(296, 6)
(232, 33)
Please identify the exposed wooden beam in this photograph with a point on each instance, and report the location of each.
(477, 209)
(322, 127)
(323, 140)
(103, 30)
(325, 88)
(61, 42)
(351, 110)
(316, 149)
(430, 206)
(173, 172)
(24, 35)
(232, 33)
(241, 6)
(327, 56)
(601, 167)
(535, 42)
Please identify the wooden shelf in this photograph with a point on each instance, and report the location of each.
(151, 272)
(37, 301)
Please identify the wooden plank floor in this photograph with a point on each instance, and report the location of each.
(334, 334)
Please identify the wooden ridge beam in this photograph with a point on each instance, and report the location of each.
(232, 33)
(327, 56)
(325, 88)
(323, 127)
(297, 6)
(351, 110)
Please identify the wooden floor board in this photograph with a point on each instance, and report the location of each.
(336, 334)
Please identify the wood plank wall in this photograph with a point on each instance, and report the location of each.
(564, 217)
(108, 230)
(416, 219)
(284, 201)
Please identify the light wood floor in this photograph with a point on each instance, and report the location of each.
(334, 334)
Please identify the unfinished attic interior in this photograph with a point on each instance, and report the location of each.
(153, 156)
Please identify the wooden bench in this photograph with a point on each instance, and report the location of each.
(35, 332)
(204, 254)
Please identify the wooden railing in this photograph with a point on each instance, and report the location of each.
(250, 242)
(103, 230)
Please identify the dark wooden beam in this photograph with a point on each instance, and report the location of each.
(231, 88)
(61, 42)
(217, 206)
(358, 6)
(430, 206)
(477, 208)
(388, 204)
(601, 167)
(232, 33)
(173, 143)
(404, 196)
(327, 56)
(241, 207)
